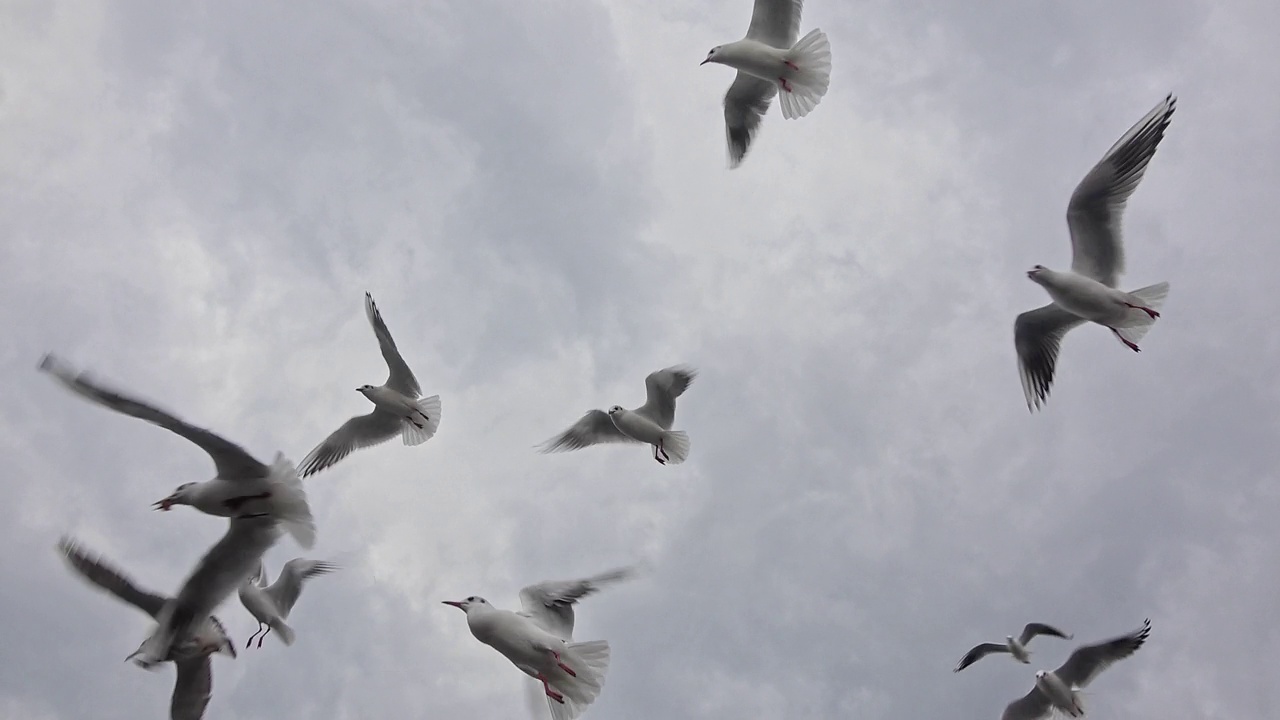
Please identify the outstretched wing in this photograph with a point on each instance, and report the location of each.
(550, 604)
(99, 572)
(776, 22)
(285, 590)
(1034, 705)
(193, 689)
(1087, 662)
(1037, 336)
(662, 387)
(359, 432)
(1034, 629)
(977, 653)
(745, 104)
(401, 378)
(593, 428)
(232, 461)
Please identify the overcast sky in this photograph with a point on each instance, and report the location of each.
(193, 201)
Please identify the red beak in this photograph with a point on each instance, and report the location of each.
(164, 504)
(455, 603)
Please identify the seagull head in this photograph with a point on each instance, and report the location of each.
(1035, 272)
(180, 496)
(466, 605)
(712, 56)
(1040, 674)
(616, 410)
(365, 390)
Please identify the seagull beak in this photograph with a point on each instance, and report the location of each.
(456, 604)
(704, 62)
(164, 504)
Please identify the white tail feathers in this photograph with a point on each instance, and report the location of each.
(421, 425)
(289, 502)
(675, 443)
(590, 660)
(811, 56)
(281, 628)
(1138, 322)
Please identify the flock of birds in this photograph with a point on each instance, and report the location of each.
(264, 502)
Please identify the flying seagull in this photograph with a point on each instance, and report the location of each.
(1017, 647)
(539, 640)
(1087, 292)
(270, 605)
(1059, 689)
(650, 423)
(242, 486)
(398, 408)
(769, 60)
(194, 686)
(218, 574)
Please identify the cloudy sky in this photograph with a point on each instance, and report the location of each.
(195, 196)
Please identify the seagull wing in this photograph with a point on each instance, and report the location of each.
(1087, 662)
(1093, 215)
(744, 107)
(401, 378)
(1034, 629)
(593, 428)
(100, 573)
(1037, 335)
(776, 22)
(662, 388)
(232, 461)
(193, 689)
(977, 653)
(361, 431)
(221, 571)
(1032, 706)
(550, 604)
(285, 590)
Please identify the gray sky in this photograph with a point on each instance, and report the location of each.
(192, 202)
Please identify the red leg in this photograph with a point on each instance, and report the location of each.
(561, 665)
(786, 84)
(551, 693)
(1151, 313)
(660, 453)
(1132, 346)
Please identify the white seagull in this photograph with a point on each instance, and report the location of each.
(271, 605)
(1015, 646)
(399, 408)
(1060, 689)
(769, 59)
(242, 486)
(1087, 292)
(218, 574)
(539, 640)
(650, 423)
(194, 686)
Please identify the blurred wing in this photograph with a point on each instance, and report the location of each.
(285, 590)
(550, 604)
(232, 461)
(776, 22)
(977, 653)
(593, 428)
(1087, 662)
(661, 389)
(218, 574)
(100, 573)
(1037, 335)
(401, 378)
(1093, 214)
(1032, 706)
(192, 690)
(361, 431)
(1034, 629)
(744, 106)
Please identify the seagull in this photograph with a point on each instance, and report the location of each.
(769, 59)
(539, 640)
(399, 408)
(650, 423)
(194, 686)
(222, 569)
(1059, 689)
(1018, 647)
(242, 485)
(271, 605)
(1087, 292)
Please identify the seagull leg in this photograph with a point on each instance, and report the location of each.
(1151, 313)
(264, 636)
(254, 635)
(791, 65)
(561, 665)
(550, 693)
(786, 84)
(1131, 346)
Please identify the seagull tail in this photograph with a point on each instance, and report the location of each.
(282, 629)
(1138, 322)
(590, 660)
(676, 445)
(811, 56)
(290, 502)
(420, 426)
